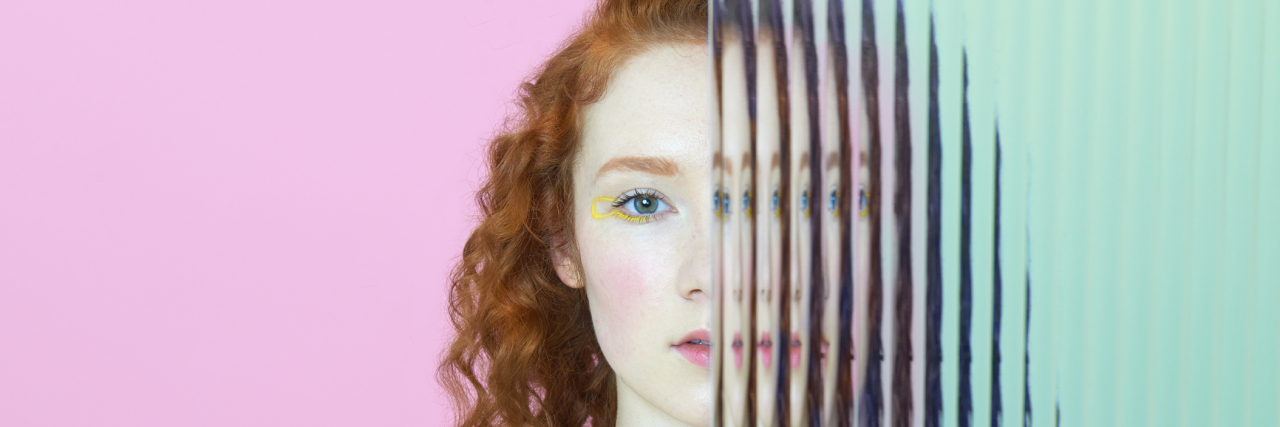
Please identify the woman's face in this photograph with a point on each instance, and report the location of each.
(862, 269)
(737, 220)
(832, 259)
(804, 204)
(642, 189)
(768, 229)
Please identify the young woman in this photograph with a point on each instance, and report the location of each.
(583, 295)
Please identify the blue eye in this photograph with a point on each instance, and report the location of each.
(645, 204)
(774, 205)
(715, 200)
(746, 200)
(804, 202)
(640, 205)
(833, 201)
(724, 203)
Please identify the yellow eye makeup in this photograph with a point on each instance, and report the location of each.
(636, 206)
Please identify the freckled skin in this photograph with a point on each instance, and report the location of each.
(648, 284)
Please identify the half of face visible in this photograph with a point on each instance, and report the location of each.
(643, 229)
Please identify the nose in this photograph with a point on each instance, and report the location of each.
(695, 280)
(695, 273)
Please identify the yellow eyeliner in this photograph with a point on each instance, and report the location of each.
(597, 201)
(617, 213)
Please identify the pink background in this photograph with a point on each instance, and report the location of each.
(243, 212)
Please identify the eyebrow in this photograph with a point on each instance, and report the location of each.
(773, 164)
(746, 160)
(804, 160)
(653, 165)
(833, 159)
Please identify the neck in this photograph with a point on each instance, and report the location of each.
(634, 410)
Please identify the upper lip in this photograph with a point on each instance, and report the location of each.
(697, 335)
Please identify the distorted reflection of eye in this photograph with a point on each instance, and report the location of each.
(833, 202)
(724, 203)
(774, 204)
(862, 200)
(804, 202)
(746, 203)
(715, 203)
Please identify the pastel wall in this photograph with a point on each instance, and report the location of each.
(243, 212)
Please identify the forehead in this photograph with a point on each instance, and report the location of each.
(655, 105)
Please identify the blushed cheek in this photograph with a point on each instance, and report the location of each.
(625, 290)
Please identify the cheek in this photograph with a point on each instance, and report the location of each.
(627, 289)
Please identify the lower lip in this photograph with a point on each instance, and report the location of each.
(698, 354)
(766, 353)
(824, 348)
(795, 355)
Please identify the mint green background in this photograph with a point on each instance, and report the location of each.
(1141, 172)
(1141, 195)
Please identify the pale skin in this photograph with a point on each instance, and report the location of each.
(646, 263)
(769, 230)
(806, 204)
(862, 274)
(831, 229)
(737, 174)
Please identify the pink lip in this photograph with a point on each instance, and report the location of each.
(766, 352)
(822, 365)
(698, 354)
(737, 350)
(795, 350)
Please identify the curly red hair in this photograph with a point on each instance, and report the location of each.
(525, 351)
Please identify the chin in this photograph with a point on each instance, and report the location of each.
(694, 411)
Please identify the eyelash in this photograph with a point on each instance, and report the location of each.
(630, 195)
